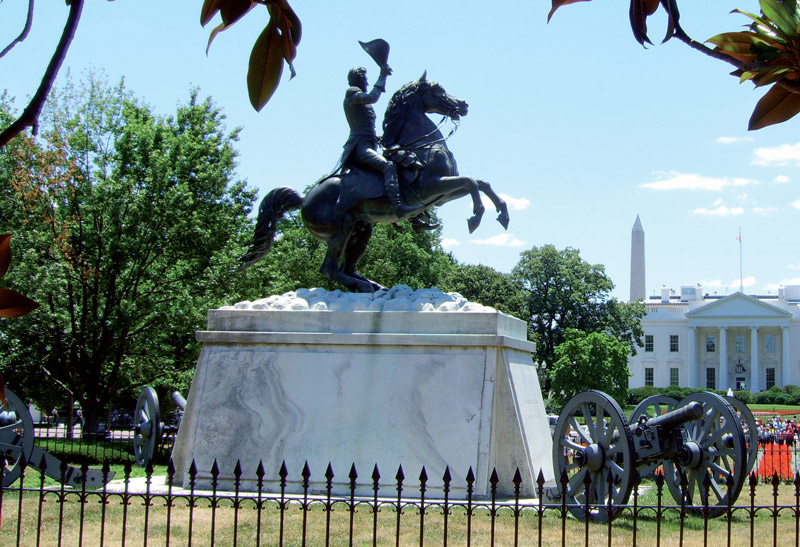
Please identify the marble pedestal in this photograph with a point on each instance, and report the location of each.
(415, 388)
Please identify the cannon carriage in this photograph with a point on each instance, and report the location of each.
(699, 444)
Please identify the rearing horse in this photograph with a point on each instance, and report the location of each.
(341, 209)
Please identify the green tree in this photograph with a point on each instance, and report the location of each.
(128, 224)
(393, 257)
(565, 292)
(487, 286)
(586, 361)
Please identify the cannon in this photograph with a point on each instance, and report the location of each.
(147, 425)
(18, 449)
(600, 453)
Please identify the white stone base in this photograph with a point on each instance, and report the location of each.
(437, 389)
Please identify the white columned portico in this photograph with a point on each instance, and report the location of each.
(787, 372)
(754, 386)
(692, 350)
(723, 358)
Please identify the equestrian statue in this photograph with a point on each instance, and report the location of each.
(415, 172)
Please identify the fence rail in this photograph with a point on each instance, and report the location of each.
(112, 444)
(155, 510)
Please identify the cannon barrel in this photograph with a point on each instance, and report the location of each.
(179, 400)
(688, 413)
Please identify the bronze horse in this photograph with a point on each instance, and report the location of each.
(341, 209)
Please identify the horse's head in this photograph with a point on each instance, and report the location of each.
(436, 100)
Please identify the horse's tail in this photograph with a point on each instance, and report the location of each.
(274, 205)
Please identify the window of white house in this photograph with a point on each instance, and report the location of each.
(674, 376)
(711, 378)
(769, 343)
(648, 376)
(711, 343)
(648, 343)
(770, 378)
(740, 343)
(674, 346)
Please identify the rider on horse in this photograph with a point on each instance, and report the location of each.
(360, 150)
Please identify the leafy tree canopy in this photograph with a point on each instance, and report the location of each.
(487, 286)
(586, 361)
(565, 292)
(126, 226)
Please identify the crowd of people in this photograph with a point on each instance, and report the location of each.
(777, 430)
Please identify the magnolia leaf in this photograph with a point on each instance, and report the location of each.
(673, 23)
(294, 27)
(638, 12)
(784, 22)
(5, 253)
(736, 44)
(219, 28)
(266, 67)
(771, 76)
(14, 304)
(233, 10)
(558, 3)
(209, 10)
(776, 106)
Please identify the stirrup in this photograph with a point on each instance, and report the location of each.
(418, 225)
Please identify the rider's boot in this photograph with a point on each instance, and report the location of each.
(391, 184)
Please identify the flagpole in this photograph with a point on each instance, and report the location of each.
(741, 274)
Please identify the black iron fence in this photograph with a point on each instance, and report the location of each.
(155, 510)
(113, 444)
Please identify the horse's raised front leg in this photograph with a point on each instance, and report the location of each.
(467, 184)
(499, 204)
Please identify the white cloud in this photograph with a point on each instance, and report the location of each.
(794, 266)
(449, 242)
(733, 284)
(781, 179)
(719, 211)
(778, 155)
(773, 287)
(501, 240)
(764, 211)
(515, 204)
(742, 197)
(795, 204)
(692, 181)
(731, 140)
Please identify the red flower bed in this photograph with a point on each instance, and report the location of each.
(776, 458)
(774, 412)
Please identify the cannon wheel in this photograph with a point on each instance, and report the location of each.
(715, 446)
(592, 439)
(147, 426)
(16, 439)
(652, 406)
(751, 435)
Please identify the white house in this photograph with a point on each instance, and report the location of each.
(715, 342)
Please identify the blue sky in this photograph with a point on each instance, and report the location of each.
(579, 127)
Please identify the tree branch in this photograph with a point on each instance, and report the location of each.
(702, 48)
(792, 86)
(24, 33)
(30, 116)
